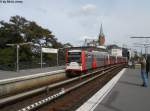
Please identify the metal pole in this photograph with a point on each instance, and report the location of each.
(57, 57)
(17, 58)
(17, 51)
(145, 52)
(41, 57)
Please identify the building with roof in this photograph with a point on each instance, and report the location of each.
(96, 42)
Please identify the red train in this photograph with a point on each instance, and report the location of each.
(82, 59)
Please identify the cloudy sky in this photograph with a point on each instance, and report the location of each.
(73, 20)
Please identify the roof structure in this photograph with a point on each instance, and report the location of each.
(89, 48)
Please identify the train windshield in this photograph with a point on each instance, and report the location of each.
(74, 57)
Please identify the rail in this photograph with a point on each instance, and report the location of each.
(54, 86)
(17, 85)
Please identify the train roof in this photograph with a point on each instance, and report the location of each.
(89, 48)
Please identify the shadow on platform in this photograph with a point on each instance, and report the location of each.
(129, 83)
(108, 104)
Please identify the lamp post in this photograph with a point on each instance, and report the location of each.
(17, 46)
(17, 52)
(57, 57)
(145, 45)
(41, 56)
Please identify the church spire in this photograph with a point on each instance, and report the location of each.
(101, 36)
(101, 30)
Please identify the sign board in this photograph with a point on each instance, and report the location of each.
(49, 50)
(116, 52)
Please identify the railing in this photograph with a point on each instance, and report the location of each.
(30, 65)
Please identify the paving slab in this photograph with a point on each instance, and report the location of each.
(127, 94)
(13, 74)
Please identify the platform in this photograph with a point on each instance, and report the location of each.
(126, 95)
(13, 74)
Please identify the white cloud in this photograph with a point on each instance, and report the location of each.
(120, 19)
(88, 9)
(85, 10)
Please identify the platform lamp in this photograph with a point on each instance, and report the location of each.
(146, 45)
(58, 55)
(17, 51)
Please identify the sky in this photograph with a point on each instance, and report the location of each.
(74, 20)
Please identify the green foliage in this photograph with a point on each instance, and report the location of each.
(6, 56)
(19, 30)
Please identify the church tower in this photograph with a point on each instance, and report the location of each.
(101, 38)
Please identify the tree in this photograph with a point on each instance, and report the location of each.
(67, 45)
(20, 30)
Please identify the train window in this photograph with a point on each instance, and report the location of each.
(74, 53)
(74, 57)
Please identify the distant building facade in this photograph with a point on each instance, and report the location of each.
(114, 50)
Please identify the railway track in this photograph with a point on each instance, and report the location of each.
(14, 88)
(64, 95)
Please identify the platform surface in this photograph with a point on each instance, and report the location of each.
(127, 94)
(13, 74)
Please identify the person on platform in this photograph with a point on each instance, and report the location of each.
(147, 66)
(143, 71)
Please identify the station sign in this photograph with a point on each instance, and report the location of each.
(49, 50)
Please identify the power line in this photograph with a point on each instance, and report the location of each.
(139, 37)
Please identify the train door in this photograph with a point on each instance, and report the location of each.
(88, 60)
(116, 60)
(108, 59)
(93, 61)
(83, 61)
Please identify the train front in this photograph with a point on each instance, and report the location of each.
(74, 62)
